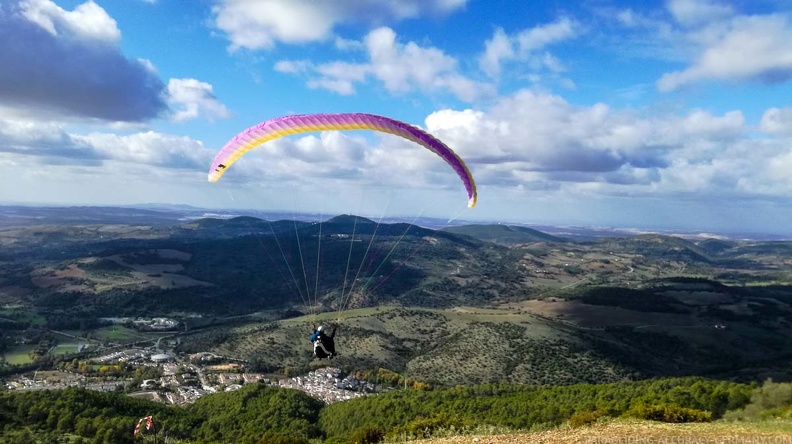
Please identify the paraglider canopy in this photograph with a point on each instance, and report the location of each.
(303, 123)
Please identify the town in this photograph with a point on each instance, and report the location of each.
(147, 367)
(179, 380)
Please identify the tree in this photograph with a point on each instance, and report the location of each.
(66, 422)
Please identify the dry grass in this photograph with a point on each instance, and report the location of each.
(633, 431)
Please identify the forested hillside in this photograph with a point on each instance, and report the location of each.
(258, 413)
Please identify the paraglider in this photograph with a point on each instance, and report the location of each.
(324, 343)
(303, 123)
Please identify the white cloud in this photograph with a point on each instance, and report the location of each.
(339, 86)
(87, 21)
(344, 71)
(778, 168)
(498, 48)
(293, 66)
(777, 121)
(348, 44)
(596, 150)
(338, 77)
(68, 64)
(701, 123)
(192, 99)
(542, 36)
(149, 148)
(527, 45)
(402, 68)
(560, 136)
(693, 12)
(259, 25)
(51, 143)
(749, 48)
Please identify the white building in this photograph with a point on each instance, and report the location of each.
(160, 358)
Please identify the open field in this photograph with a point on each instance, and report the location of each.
(22, 315)
(635, 431)
(19, 354)
(118, 333)
(66, 349)
(149, 396)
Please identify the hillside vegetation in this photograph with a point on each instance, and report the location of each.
(261, 414)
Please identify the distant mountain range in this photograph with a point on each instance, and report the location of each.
(168, 214)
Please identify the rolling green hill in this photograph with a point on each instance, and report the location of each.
(504, 234)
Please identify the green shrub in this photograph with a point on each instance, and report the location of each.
(771, 400)
(580, 419)
(427, 427)
(369, 435)
(668, 413)
(777, 413)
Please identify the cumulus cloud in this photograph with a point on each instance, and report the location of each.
(527, 143)
(149, 148)
(561, 137)
(192, 98)
(48, 142)
(777, 121)
(88, 20)
(745, 48)
(498, 48)
(401, 67)
(527, 45)
(260, 25)
(69, 63)
(532, 140)
(700, 123)
(51, 143)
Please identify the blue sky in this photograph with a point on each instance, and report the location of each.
(653, 114)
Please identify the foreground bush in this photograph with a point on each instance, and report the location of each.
(420, 427)
(770, 401)
(668, 413)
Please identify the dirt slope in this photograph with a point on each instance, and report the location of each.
(642, 432)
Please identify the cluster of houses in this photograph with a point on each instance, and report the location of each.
(185, 380)
(159, 324)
